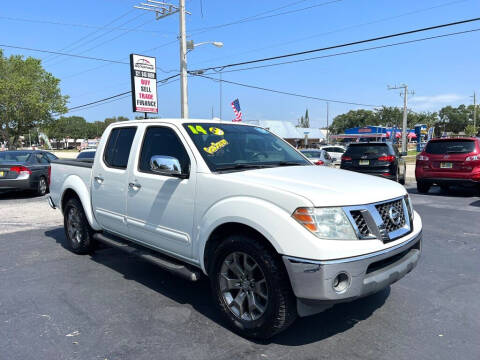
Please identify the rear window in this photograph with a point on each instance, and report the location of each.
(311, 154)
(118, 147)
(450, 147)
(367, 149)
(17, 156)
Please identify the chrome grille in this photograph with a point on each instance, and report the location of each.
(384, 211)
(360, 222)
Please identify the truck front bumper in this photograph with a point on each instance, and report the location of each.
(320, 284)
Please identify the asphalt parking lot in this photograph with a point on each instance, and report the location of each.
(57, 305)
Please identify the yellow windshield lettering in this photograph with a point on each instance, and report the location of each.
(197, 129)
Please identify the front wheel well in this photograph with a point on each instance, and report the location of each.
(222, 231)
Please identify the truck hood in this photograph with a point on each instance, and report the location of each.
(323, 186)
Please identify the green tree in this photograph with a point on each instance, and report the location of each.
(29, 96)
(470, 130)
(455, 119)
(304, 121)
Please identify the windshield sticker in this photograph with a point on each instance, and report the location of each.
(197, 129)
(216, 131)
(214, 147)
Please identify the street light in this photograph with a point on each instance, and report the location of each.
(191, 45)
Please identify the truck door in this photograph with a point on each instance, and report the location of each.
(110, 180)
(159, 207)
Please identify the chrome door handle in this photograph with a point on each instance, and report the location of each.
(99, 179)
(134, 186)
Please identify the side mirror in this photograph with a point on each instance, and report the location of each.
(166, 165)
(404, 153)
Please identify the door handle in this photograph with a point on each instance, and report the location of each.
(134, 186)
(99, 179)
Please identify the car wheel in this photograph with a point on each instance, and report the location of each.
(77, 229)
(42, 186)
(251, 288)
(423, 187)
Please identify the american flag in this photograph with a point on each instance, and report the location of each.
(236, 109)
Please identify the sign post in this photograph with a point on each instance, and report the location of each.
(144, 84)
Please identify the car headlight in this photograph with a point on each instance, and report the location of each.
(326, 223)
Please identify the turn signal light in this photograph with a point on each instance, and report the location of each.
(473, 158)
(319, 162)
(388, 158)
(346, 158)
(422, 158)
(21, 170)
(304, 217)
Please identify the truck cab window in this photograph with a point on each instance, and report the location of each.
(118, 147)
(162, 141)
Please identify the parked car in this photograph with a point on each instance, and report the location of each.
(87, 154)
(336, 152)
(277, 236)
(317, 156)
(375, 158)
(448, 161)
(25, 170)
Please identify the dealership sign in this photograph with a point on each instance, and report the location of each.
(144, 83)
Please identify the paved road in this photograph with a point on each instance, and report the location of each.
(56, 305)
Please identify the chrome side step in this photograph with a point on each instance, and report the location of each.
(174, 266)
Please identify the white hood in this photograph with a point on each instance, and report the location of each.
(323, 186)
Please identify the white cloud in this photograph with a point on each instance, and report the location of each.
(436, 102)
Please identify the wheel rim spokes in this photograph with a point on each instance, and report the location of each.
(73, 226)
(243, 286)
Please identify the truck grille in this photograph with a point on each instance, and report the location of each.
(384, 211)
(360, 222)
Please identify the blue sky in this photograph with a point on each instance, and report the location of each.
(441, 72)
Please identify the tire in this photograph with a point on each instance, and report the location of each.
(42, 186)
(78, 232)
(275, 303)
(402, 179)
(423, 187)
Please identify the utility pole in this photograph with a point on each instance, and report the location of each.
(161, 10)
(404, 124)
(220, 89)
(475, 112)
(327, 121)
(182, 37)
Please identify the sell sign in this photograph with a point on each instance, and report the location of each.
(144, 83)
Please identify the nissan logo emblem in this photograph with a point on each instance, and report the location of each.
(394, 216)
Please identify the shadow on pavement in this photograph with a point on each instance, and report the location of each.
(307, 330)
(11, 195)
(453, 191)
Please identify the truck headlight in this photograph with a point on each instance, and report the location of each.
(326, 223)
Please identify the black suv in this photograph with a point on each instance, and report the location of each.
(375, 158)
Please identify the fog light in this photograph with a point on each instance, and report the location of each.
(341, 282)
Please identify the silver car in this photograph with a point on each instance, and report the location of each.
(335, 151)
(318, 156)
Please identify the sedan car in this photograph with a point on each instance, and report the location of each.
(375, 158)
(25, 170)
(335, 151)
(317, 156)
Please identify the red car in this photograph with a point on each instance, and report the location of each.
(448, 161)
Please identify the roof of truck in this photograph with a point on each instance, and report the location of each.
(180, 121)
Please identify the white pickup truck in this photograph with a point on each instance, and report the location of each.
(277, 236)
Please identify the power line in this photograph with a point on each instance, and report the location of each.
(285, 92)
(260, 17)
(87, 26)
(355, 51)
(343, 45)
(117, 95)
(63, 54)
(342, 29)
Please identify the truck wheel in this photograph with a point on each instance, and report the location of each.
(251, 288)
(423, 187)
(77, 229)
(42, 186)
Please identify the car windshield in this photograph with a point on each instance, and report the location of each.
(230, 147)
(450, 147)
(16, 156)
(367, 149)
(86, 155)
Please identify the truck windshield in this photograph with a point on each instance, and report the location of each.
(238, 147)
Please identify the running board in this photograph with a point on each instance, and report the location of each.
(166, 263)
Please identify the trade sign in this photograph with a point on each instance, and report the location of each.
(144, 83)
